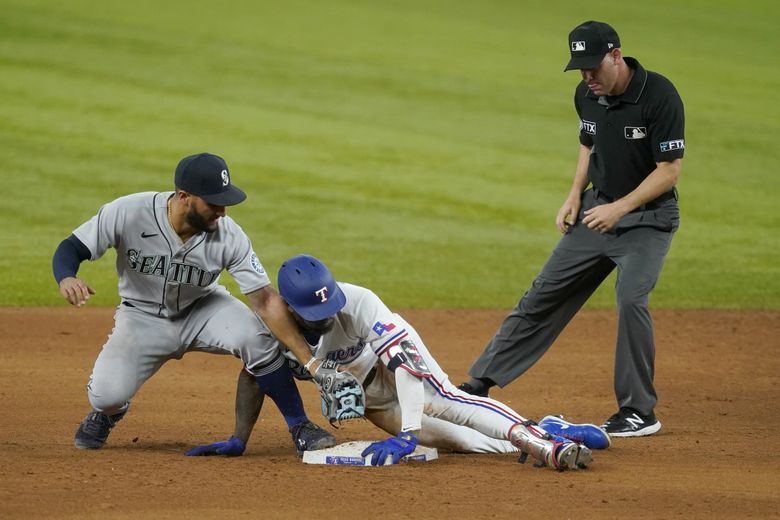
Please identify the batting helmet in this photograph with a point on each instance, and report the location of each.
(307, 286)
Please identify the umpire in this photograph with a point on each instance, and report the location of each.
(631, 149)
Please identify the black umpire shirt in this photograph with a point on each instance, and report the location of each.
(628, 134)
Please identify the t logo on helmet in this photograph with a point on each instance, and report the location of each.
(323, 294)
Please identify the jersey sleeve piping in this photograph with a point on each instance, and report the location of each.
(393, 340)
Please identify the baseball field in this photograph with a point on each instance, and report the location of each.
(422, 149)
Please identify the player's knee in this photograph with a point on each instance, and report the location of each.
(253, 347)
(108, 396)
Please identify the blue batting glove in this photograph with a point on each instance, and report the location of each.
(396, 447)
(233, 447)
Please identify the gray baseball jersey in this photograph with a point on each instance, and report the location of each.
(172, 302)
(157, 272)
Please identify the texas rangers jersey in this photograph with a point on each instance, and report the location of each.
(157, 272)
(364, 330)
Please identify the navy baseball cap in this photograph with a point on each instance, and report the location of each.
(589, 42)
(309, 288)
(206, 176)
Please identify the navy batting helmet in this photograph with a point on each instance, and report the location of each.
(307, 286)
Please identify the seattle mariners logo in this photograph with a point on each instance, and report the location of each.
(323, 294)
(225, 178)
(256, 265)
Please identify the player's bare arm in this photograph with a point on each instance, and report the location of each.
(267, 303)
(567, 215)
(663, 179)
(249, 402)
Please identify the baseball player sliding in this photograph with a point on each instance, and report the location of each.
(407, 394)
(171, 248)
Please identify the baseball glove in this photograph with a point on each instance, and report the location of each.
(341, 393)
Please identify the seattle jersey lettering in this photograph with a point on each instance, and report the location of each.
(158, 265)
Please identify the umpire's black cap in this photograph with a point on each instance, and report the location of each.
(206, 176)
(589, 42)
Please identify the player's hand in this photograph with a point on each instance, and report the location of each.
(397, 447)
(604, 217)
(75, 291)
(233, 447)
(567, 215)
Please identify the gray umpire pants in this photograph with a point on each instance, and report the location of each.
(580, 262)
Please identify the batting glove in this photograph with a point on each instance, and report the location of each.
(396, 447)
(233, 447)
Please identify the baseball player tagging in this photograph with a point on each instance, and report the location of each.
(171, 248)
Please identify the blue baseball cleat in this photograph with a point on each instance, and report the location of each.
(590, 435)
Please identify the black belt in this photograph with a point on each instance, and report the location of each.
(127, 304)
(653, 204)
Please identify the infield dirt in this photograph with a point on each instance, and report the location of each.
(717, 455)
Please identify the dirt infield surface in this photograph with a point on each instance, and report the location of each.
(717, 455)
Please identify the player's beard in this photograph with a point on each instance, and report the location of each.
(198, 222)
(317, 327)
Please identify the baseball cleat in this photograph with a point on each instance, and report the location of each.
(590, 435)
(571, 455)
(630, 423)
(566, 456)
(308, 436)
(548, 450)
(94, 429)
(584, 457)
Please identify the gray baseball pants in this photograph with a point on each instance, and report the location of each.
(580, 262)
(141, 343)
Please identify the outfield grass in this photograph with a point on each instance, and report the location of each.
(421, 148)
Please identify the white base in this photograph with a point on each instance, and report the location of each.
(348, 453)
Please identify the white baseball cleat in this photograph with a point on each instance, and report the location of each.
(549, 450)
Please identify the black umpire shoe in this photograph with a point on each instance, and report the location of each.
(627, 422)
(474, 389)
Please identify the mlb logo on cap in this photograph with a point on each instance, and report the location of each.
(589, 43)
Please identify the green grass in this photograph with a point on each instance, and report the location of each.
(421, 148)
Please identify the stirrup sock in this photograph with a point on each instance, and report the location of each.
(280, 386)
